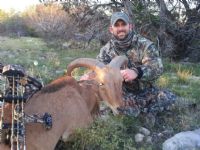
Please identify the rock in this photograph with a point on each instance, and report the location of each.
(197, 131)
(149, 139)
(168, 132)
(189, 140)
(160, 135)
(139, 137)
(145, 131)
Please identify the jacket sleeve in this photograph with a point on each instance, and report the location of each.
(103, 55)
(152, 66)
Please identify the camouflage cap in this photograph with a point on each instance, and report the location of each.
(119, 16)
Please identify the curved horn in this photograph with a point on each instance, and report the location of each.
(90, 63)
(118, 61)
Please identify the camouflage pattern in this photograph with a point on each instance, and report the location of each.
(140, 94)
(150, 100)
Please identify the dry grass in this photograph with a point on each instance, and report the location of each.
(163, 82)
(183, 75)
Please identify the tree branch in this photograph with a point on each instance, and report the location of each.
(95, 8)
(164, 12)
(186, 5)
(117, 3)
(127, 7)
(198, 7)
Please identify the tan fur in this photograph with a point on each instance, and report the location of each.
(72, 105)
(69, 111)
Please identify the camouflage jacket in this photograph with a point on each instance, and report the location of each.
(142, 55)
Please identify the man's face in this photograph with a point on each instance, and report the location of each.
(120, 29)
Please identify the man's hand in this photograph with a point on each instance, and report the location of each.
(128, 75)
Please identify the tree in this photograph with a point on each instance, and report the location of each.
(174, 22)
(181, 27)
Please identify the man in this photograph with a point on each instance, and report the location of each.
(144, 67)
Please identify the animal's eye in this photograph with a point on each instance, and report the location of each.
(100, 84)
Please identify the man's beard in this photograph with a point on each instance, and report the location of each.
(122, 44)
(117, 37)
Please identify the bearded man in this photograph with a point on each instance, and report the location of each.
(144, 67)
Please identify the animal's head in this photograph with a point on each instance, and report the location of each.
(108, 78)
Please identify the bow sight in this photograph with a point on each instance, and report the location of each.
(15, 89)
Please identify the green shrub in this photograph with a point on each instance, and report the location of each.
(114, 133)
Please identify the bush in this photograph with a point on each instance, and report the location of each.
(109, 134)
(50, 21)
(12, 24)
